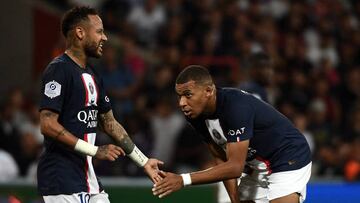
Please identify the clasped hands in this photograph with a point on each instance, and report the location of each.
(167, 183)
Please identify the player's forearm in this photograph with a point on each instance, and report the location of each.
(122, 139)
(118, 133)
(231, 184)
(231, 188)
(232, 168)
(115, 130)
(224, 171)
(52, 128)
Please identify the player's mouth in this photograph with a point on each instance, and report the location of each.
(187, 112)
(100, 47)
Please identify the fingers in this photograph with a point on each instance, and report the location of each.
(114, 152)
(161, 191)
(157, 189)
(165, 194)
(156, 178)
(118, 150)
(122, 152)
(162, 174)
(112, 156)
(109, 152)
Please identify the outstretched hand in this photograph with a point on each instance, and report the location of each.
(109, 152)
(170, 183)
(151, 168)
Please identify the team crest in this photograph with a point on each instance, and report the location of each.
(91, 95)
(91, 88)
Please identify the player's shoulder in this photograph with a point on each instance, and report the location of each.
(231, 99)
(58, 64)
(234, 95)
(231, 91)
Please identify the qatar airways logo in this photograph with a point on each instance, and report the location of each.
(237, 131)
(88, 117)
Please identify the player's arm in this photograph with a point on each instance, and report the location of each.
(230, 169)
(122, 139)
(231, 184)
(50, 127)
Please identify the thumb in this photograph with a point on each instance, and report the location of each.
(160, 162)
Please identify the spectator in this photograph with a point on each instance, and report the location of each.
(147, 19)
(165, 117)
(118, 82)
(9, 169)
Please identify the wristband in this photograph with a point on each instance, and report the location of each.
(186, 179)
(138, 157)
(85, 148)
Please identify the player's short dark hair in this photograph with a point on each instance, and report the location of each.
(259, 60)
(197, 73)
(74, 16)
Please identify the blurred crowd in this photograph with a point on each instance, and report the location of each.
(313, 45)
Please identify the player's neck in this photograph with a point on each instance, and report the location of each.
(211, 107)
(78, 56)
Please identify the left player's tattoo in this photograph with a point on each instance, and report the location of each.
(46, 114)
(103, 150)
(61, 133)
(116, 131)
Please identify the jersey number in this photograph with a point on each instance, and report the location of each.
(84, 198)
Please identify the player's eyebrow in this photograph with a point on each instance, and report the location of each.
(179, 93)
(186, 92)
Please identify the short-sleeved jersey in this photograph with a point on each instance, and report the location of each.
(274, 143)
(255, 89)
(77, 95)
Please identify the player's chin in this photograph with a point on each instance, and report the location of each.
(190, 115)
(98, 54)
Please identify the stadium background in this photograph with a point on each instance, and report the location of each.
(313, 44)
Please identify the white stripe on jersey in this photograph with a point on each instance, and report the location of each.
(216, 132)
(90, 88)
(93, 185)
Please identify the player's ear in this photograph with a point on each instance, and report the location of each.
(210, 89)
(79, 32)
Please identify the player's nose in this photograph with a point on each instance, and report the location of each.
(104, 37)
(182, 102)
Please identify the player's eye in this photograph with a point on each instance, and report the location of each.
(188, 95)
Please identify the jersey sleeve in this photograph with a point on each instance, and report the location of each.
(104, 101)
(240, 123)
(53, 88)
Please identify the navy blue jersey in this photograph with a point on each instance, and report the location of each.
(77, 95)
(274, 143)
(255, 89)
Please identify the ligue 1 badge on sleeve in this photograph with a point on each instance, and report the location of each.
(52, 89)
